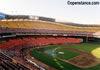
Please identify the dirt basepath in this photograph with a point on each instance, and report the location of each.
(85, 60)
(36, 61)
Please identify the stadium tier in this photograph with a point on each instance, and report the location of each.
(80, 25)
(38, 40)
(44, 25)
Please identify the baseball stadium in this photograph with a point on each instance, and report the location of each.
(42, 43)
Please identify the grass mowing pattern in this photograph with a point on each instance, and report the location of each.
(49, 60)
(67, 54)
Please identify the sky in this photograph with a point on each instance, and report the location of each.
(58, 9)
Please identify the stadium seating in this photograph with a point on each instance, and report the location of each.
(7, 63)
(44, 25)
(38, 40)
(80, 25)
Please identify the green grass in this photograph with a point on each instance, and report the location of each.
(88, 47)
(60, 65)
(84, 46)
(67, 54)
(96, 52)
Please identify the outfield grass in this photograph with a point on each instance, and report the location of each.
(88, 47)
(96, 52)
(60, 65)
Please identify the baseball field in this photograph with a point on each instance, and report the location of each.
(84, 56)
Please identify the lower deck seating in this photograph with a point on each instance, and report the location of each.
(7, 63)
(39, 40)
